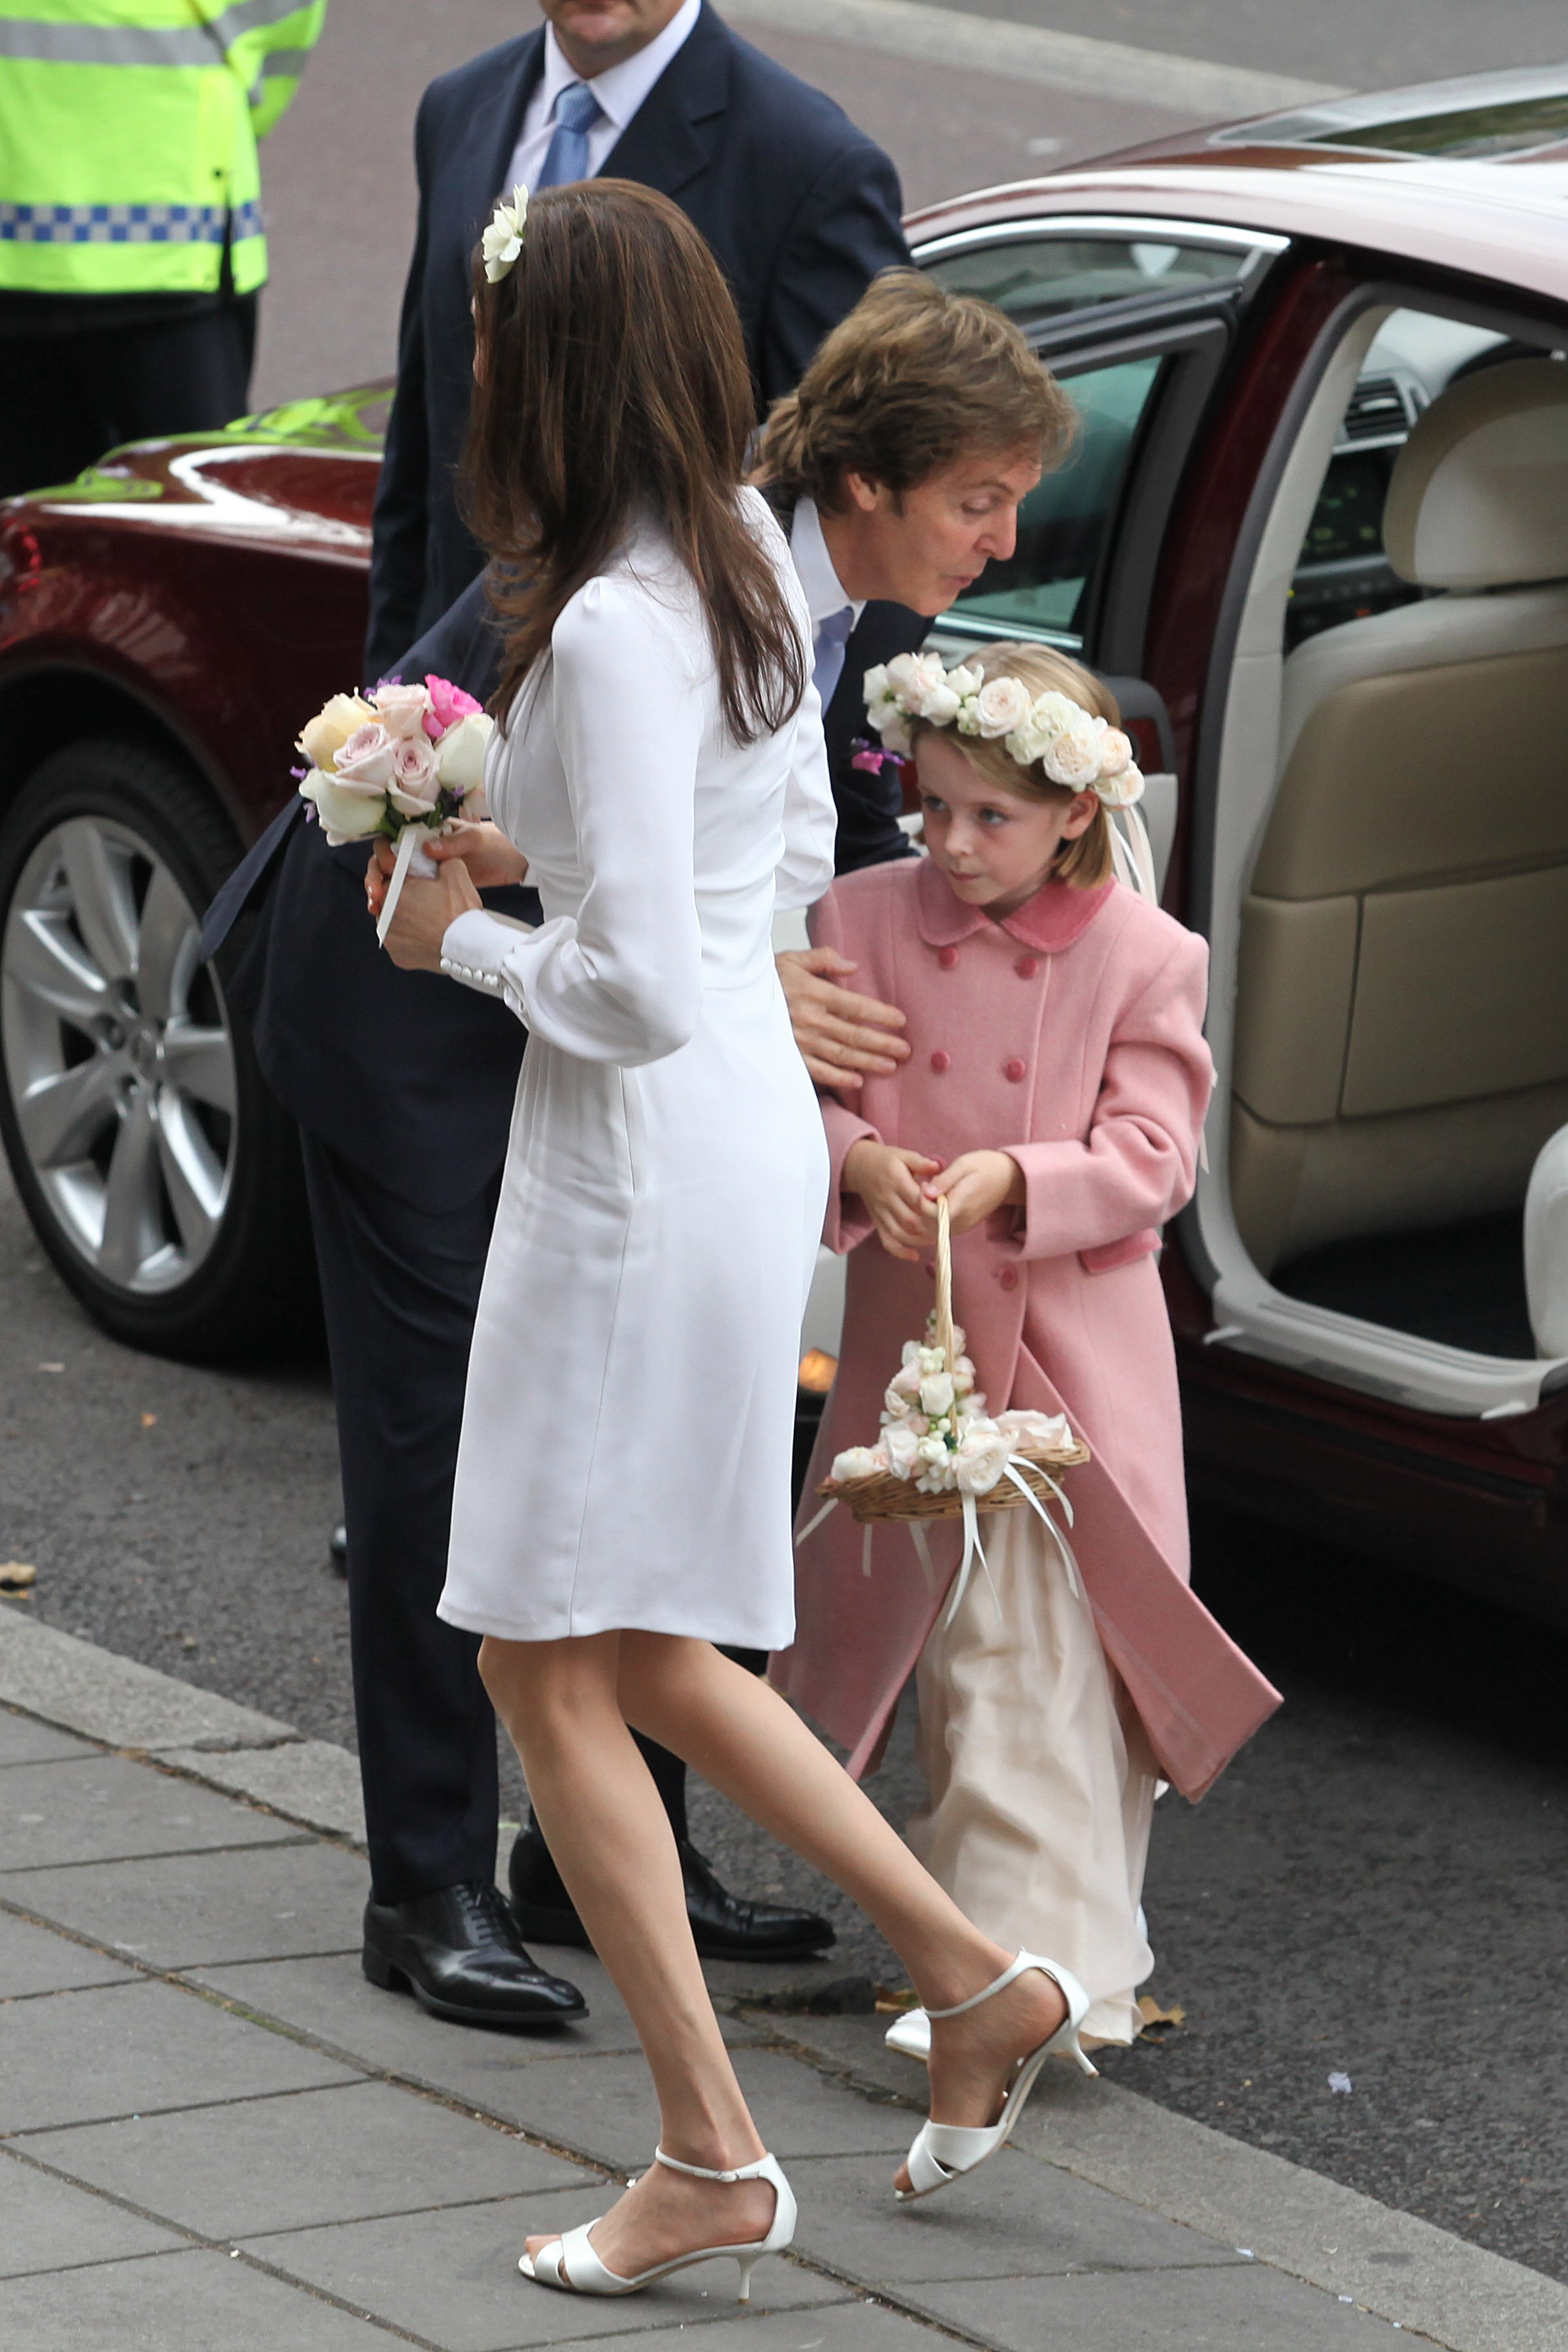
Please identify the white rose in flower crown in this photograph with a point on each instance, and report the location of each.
(859, 1461)
(1073, 756)
(937, 1393)
(1115, 751)
(403, 710)
(324, 736)
(1003, 704)
(364, 761)
(1121, 790)
(940, 706)
(917, 679)
(345, 815)
(461, 753)
(1050, 715)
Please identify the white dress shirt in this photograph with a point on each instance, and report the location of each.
(825, 592)
(620, 91)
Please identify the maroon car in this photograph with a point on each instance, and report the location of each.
(1316, 528)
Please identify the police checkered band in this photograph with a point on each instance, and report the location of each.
(127, 224)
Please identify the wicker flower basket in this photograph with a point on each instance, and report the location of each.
(883, 1496)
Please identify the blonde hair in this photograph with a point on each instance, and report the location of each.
(1088, 861)
(913, 379)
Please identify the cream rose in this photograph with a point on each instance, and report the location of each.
(936, 1393)
(1115, 752)
(1073, 756)
(981, 1458)
(345, 815)
(1119, 791)
(1002, 704)
(324, 736)
(461, 753)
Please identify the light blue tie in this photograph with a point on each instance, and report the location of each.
(566, 158)
(827, 655)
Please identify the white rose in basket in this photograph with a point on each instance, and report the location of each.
(982, 1457)
(859, 1461)
(937, 1393)
(902, 1446)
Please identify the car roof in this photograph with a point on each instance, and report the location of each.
(1470, 175)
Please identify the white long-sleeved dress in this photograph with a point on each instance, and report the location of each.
(627, 1430)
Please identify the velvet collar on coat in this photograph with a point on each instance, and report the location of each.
(1052, 919)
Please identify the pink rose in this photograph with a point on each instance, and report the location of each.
(364, 763)
(402, 709)
(448, 703)
(414, 784)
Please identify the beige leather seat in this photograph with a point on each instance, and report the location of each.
(1402, 1018)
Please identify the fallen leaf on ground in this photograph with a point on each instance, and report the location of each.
(892, 2000)
(17, 1575)
(149, 1420)
(1155, 2018)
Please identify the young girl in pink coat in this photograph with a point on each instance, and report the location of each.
(1055, 1093)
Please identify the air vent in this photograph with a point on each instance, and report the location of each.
(1377, 411)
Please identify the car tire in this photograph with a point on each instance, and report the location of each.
(158, 1172)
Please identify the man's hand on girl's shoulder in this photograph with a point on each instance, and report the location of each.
(842, 1037)
(894, 1183)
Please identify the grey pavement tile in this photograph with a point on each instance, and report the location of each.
(114, 1700)
(24, 1741)
(189, 1910)
(36, 1959)
(82, 2057)
(840, 2328)
(100, 1807)
(294, 2162)
(453, 2278)
(1016, 2217)
(604, 2108)
(330, 1997)
(310, 1780)
(192, 2302)
(47, 2225)
(1246, 2308)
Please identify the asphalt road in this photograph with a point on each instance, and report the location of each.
(1378, 1889)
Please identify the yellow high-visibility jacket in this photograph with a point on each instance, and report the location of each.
(127, 132)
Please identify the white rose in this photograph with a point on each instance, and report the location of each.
(981, 1458)
(858, 1462)
(906, 1385)
(503, 240)
(1115, 752)
(941, 707)
(1121, 790)
(1001, 705)
(915, 678)
(936, 1393)
(899, 1444)
(345, 815)
(1049, 1432)
(1073, 756)
(461, 753)
(895, 1406)
(874, 686)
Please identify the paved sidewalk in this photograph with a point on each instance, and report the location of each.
(215, 2136)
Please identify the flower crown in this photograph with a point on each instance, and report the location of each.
(1074, 748)
(503, 240)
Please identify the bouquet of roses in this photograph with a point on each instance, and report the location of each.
(398, 764)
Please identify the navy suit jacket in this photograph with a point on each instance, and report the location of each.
(801, 208)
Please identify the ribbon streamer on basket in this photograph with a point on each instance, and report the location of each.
(942, 1456)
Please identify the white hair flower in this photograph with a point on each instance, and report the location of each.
(503, 240)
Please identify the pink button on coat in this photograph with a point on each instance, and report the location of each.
(1102, 1015)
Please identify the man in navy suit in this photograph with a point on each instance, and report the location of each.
(402, 1084)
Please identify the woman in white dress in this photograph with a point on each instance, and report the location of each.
(623, 1496)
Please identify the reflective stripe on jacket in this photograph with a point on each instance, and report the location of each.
(127, 132)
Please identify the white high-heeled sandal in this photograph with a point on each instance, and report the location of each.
(570, 2262)
(942, 2152)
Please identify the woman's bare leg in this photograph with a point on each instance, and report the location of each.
(612, 1843)
(745, 1740)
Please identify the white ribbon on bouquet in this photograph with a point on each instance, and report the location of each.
(412, 859)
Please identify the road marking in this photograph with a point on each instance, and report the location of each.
(1070, 61)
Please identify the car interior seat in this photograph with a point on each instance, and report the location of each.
(1402, 1014)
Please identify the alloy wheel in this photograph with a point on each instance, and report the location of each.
(119, 1058)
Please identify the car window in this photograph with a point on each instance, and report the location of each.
(1062, 525)
(1037, 278)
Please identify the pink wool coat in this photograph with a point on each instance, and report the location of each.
(1071, 1036)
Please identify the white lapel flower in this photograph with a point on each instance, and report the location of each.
(503, 240)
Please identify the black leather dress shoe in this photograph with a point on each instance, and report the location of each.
(724, 1926)
(459, 1954)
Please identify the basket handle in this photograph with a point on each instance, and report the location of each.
(944, 1283)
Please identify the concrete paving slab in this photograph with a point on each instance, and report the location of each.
(82, 2057)
(293, 2163)
(309, 1780)
(266, 1903)
(1246, 2309)
(36, 1960)
(191, 2301)
(24, 1741)
(84, 1688)
(840, 2328)
(100, 1808)
(1012, 2224)
(330, 1999)
(452, 2278)
(47, 2225)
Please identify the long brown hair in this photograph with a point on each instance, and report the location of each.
(613, 385)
